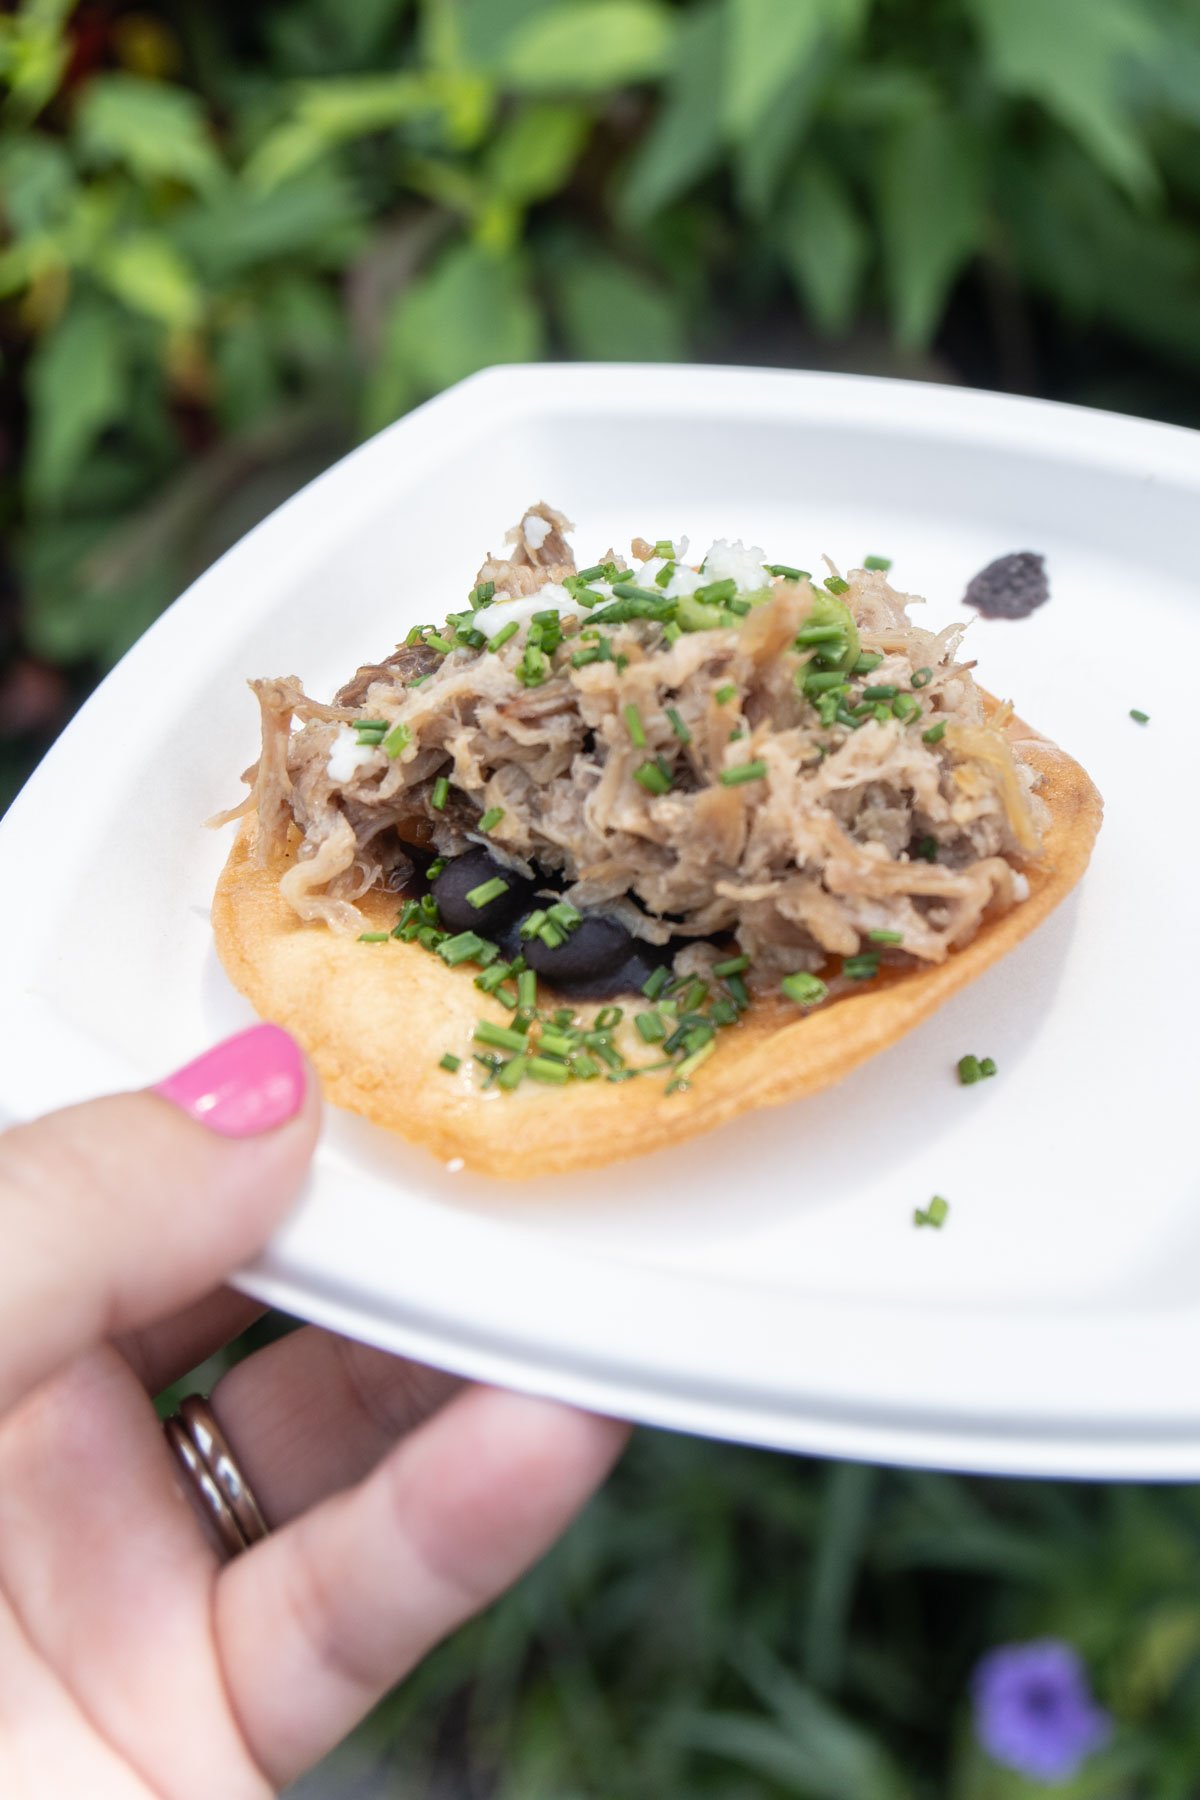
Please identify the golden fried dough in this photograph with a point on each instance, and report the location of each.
(376, 1018)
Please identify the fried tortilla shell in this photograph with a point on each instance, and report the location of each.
(375, 1019)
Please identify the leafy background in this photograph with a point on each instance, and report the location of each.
(235, 239)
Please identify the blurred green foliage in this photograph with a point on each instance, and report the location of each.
(235, 238)
(724, 1624)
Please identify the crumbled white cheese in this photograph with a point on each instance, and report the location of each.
(347, 756)
(680, 548)
(683, 581)
(1020, 886)
(737, 562)
(550, 598)
(536, 530)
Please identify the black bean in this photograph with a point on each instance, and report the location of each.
(471, 870)
(596, 948)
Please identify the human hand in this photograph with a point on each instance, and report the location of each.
(132, 1663)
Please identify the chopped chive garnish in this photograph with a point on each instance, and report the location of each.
(416, 636)
(527, 989)
(870, 659)
(1139, 718)
(803, 988)
(374, 937)
(906, 708)
(451, 1063)
(542, 1069)
(885, 691)
(551, 936)
(511, 1072)
(934, 1214)
(464, 946)
(926, 848)
(531, 926)
(490, 819)
(634, 726)
(716, 593)
(820, 634)
(629, 590)
(654, 776)
(743, 772)
(665, 574)
(532, 668)
(882, 563)
(486, 892)
(723, 1012)
(861, 968)
(595, 573)
(435, 868)
(678, 726)
(370, 724)
(734, 965)
(436, 642)
(821, 681)
(440, 794)
(567, 917)
(691, 1063)
(397, 739)
(922, 677)
(500, 1037)
(726, 693)
(557, 1043)
(969, 1071)
(654, 984)
(583, 1067)
(608, 1017)
(494, 978)
(664, 547)
(502, 636)
(935, 734)
(886, 937)
(836, 585)
(481, 594)
(787, 571)
(369, 738)
(651, 1027)
(739, 991)
(986, 1066)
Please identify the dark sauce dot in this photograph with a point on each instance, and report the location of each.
(1011, 587)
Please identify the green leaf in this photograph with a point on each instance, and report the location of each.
(316, 218)
(469, 310)
(1071, 56)
(328, 113)
(148, 274)
(535, 152)
(825, 244)
(585, 47)
(931, 217)
(37, 181)
(684, 142)
(769, 42)
(612, 313)
(761, 158)
(76, 388)
(157, 132)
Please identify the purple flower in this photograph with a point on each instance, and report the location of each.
(1034, 1710)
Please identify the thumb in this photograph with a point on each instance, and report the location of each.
(119, 1211)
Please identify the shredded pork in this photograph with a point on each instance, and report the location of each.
(849, 830)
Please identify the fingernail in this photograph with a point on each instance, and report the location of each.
(249, 1084)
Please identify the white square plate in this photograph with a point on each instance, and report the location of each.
(765, 1282)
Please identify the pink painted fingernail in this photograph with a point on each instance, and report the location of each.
(249, 1084)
